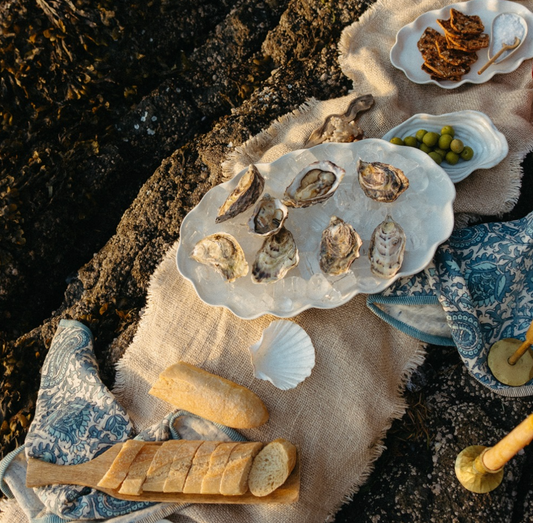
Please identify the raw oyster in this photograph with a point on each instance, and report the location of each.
(339, 247)
(387, 247)
(284, 355)
(246, 193)
(381, 181)
(268, 217)
(315, 183)
(222, 252)
(276, 257)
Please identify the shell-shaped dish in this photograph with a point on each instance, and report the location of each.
(222, 252)
(474, 128)
(268, 217)
(284, 355)
(505, 27)
(314, 184)
(246, 193)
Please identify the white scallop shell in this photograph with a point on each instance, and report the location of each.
(284, 355)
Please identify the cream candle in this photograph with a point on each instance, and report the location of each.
(496, 457)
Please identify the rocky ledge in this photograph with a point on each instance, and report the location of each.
(115, 118)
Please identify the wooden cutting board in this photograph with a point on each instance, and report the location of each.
(88, 474)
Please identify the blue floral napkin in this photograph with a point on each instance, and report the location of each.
(477, 290)
(76, 419)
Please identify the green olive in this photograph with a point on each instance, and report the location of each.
(448, 129)
(425, 148)
(410, 141)
(396, 140)
(440, 151)
(420, 134)
(430, 139)
(468, 153)
(445, 140)
(451, 158)
(457, 146)
(436, 157)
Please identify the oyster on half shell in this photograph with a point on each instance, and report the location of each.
(381, 181)
(275, 258)
(222, 252)
(315, 183)
(387, 247)
(339, 247)
(246, 193)
(268, 217)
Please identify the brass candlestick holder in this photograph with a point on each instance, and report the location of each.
(511, 361)
(472, 473)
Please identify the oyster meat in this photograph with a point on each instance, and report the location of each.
(277, 256)
(222, 252)
(387, 247)
(381, 181)
(268, 217)
(246, 193)
(339, 247)
(315, 183)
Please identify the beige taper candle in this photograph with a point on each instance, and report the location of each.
(496, 457)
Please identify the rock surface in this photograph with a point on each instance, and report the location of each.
(116, 119)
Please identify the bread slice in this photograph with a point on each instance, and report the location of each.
(181, 464)
(271, 467)
(160, 467)
(426, 43)
(137, 473)
(217, 464)
(118, 470)
(235, 478)
(465, 24)
(199, 467)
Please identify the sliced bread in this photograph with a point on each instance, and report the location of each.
(118, 470)
(217, 464)
(199, 467)
(271, 467)
(181, 464)
(235, 478)
(137, 473)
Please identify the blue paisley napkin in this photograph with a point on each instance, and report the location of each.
(477, 290)
(76, 419)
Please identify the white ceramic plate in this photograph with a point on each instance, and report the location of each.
(424, 211)
(472, 127)
(404, 54)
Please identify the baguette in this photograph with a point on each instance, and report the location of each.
(181, 465)
(199, 467)
(137, 473)
(217, 464)
(119, 468)
(160, 467)
(271, 467)
(235, 478)
(210, 396)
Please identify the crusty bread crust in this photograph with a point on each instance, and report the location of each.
(210, 396)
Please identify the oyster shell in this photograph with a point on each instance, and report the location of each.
(381, 181)
(387, 247)
(275, 258)
(315, 183)
(284, 355)
(246, 193)
(339, 247)
(268, 217)
(222, 252)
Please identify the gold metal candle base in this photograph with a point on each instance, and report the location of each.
(498, 361)
(471, 472)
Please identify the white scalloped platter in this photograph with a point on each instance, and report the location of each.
(404, 54)
(424, 211)
(472, 127)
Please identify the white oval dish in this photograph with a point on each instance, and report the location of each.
(472, 127)
(284, 355)
(498, 39)
(405, 56)
(425, 211)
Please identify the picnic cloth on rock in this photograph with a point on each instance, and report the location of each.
(364, 50)
(477, 290)
(76, 419)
